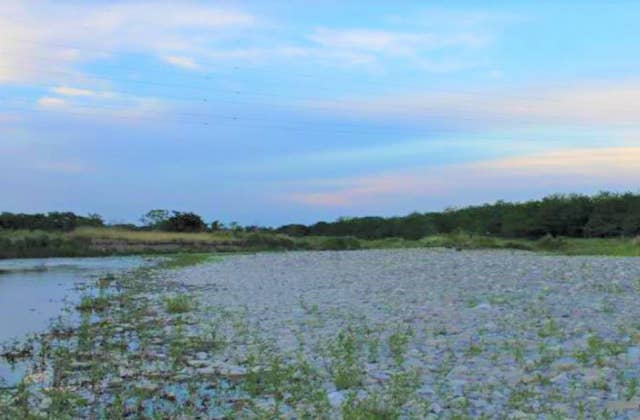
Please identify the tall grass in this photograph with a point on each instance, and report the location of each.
(620, 247)
(149, 236)
(107, 241)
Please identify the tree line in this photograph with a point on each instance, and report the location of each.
(581, 216)
(52, 221)
(574, 215)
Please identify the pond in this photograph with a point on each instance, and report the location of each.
(33, 292)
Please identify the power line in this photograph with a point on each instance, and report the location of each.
(332, 106)
(252, 92)
(206, 76)
(222, 119)
(256, 122)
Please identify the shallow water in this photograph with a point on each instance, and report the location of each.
(33, 292)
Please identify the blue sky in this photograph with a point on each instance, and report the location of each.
(277, 112)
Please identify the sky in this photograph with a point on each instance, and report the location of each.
(269, 112)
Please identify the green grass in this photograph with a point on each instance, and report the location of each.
(85, 242)
(179, 304)
(95, 304)
(620, 247)
(186, 260)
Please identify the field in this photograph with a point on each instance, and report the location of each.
(405, 333)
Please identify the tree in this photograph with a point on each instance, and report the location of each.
(216, 225)
(184, 222)
(155, 219)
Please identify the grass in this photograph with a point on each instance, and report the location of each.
(186, 260)
(620, 247)
(179, 304)
(345, 354)
(95, 304)
(149, 236)
(398, 345)
(110, 241)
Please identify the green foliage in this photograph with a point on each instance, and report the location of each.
(597, 349)
(174, 221)
(185, 260)
(571, 224)
(41, 244)
(370, 408)
(95, 304)
(259, 240)
(340, 243)
(154, 219)
(346, 363)
(549, 328)
(178, 304)
(398, 344)
(386, 404)
(184, 222)
(53, 221)
(551, 243)
(603, 215)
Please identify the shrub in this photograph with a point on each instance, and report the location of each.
(95, 304)
(340, 243)
(550, 243)
(178, 304)
(268, 241)
(184, 222)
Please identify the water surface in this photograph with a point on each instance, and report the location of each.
(33, 292)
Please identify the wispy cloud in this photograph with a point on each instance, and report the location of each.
(51, 102)
(181, 61)
(81, 92)
(48, 36)
(71, 91)
(392, 42)
(95, 104)
(570, 168)
(588, 102)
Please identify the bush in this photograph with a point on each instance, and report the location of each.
(550, 243)
(184, 222)
(340, 243)
(268, 241)
(178, 304)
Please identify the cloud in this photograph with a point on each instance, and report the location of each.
(50, 36)
(114, 107)
(181, 61)
(49, 101)
(81, 92)
(418, 48)
(588, 102)
(70, 91)
(57, 37)
(570, 168)
(392, 42)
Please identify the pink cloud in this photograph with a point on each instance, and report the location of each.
(587, 103)
(562, 168)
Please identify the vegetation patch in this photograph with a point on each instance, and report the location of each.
(186, 260)
(179, 304)
(94, 303)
